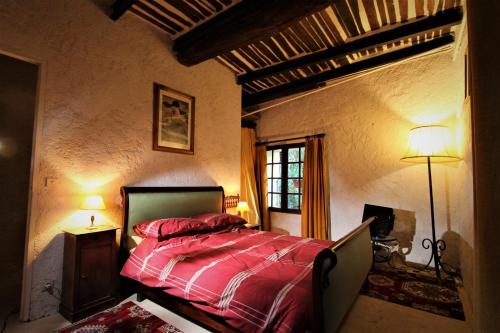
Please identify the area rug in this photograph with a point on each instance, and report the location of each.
(407, 286)
(124, 318)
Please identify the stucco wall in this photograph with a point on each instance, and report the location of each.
(366, 121)
(96, 118)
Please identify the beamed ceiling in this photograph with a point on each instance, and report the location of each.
(278, 48)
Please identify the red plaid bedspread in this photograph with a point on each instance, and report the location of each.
(256, 281)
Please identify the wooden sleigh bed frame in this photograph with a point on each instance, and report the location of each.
(338, 272)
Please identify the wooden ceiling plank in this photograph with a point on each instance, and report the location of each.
(448, 4)
(150, 19)
(322, 29)
(440, 5)
(251, 55)
(283, 44)
(258, 49)
(419, 8)
(294, 41)
(226, 2)
(196, 5)
(431, 7)
(244, 23)
(411, 28)
(392, 11)
(168, 12)
(305, 37)
(371, 13)
(343, 14)
(237, 61)
(355, 13)
(344, 34)
(268, 47)
(381, 10)
(245, 58)
(403, 10)
(162, 18)
(185, 9)
(226, 63)
(216, 5)
(320, 80)
(119, 7)
(313, 29)
(327, 24)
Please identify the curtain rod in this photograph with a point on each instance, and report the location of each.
(290, 139)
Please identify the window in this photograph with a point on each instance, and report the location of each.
(285, 168)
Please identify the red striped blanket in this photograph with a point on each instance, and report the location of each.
(256, 281)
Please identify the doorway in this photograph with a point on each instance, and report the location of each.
(18, 98)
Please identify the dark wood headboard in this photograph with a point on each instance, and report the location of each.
(151, 203)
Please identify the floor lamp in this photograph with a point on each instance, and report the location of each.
(434, 144)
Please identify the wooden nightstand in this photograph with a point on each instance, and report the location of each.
(252, 226)
(89, 272)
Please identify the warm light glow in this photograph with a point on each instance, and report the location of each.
(93, 202)
(435, 142)
(242, 207)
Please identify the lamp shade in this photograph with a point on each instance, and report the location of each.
(242, 207)
(433, 142)
(93, 202)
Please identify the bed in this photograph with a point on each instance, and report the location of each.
(336, 271)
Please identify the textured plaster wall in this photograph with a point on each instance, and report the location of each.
(366, 121)
(96, 118)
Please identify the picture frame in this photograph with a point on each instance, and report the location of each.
(173, 120)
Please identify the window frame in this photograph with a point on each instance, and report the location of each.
(284, 177)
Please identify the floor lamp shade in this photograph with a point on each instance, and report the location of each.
(433, 142)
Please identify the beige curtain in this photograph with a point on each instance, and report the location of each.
(248, 182)
(314, 191)
(261, 179)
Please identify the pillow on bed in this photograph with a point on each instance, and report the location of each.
(216, 220)
(148, 229)
(180, 226)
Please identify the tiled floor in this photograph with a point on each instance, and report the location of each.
(367, 315)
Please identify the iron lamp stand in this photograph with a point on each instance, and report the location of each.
(436, 246)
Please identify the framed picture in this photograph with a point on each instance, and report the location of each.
(173, 120)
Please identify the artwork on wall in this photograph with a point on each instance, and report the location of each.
(173, 122)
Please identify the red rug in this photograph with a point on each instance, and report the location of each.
(124, 318)
(410, 287)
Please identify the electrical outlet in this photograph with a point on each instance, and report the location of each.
(49, 287)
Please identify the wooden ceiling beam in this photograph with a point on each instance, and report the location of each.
(120, 7)
(373, 39)
(245, 23)
(250, 101)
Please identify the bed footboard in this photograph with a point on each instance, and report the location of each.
(338, 275)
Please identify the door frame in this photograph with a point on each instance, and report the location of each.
(29, 248)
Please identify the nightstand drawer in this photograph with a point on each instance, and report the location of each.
(98, 238)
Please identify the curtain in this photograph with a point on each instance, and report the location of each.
(314, 191)
(248, 182)
(261, 179)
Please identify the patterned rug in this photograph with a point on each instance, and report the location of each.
(125, 318)
(407, 286)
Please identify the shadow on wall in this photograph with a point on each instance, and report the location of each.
(404, 230)
(50, 261)
(451, 254)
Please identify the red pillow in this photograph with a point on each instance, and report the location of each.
(148, 229)
(179, 226)
(216, 220)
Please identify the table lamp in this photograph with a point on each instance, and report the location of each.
(93, 202)
(434, 144)
(242, 207)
